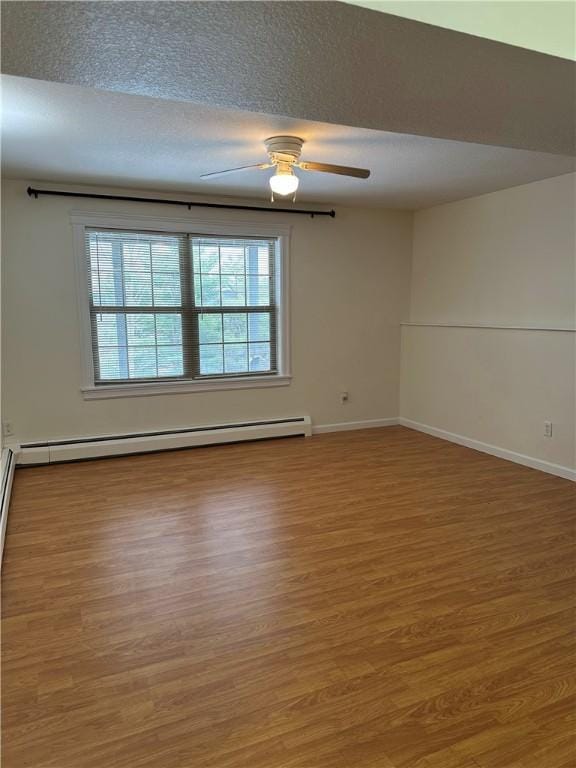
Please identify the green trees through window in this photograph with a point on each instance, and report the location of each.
(181, 306)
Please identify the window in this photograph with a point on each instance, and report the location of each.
(176, 307)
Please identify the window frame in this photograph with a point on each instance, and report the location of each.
(81, 220)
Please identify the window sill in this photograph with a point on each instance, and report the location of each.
(108, 391)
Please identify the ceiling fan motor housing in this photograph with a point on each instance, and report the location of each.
(284, 149)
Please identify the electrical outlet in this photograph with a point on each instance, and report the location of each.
(547, 429)
(7, 429)
(344, 397)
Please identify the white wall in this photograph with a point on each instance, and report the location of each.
(506, 258)
(349, 292)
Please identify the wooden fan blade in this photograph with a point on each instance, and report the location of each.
(260, 166)
(342, 170)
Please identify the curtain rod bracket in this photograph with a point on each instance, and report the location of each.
(32, 192)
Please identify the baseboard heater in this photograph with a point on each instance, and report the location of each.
(8, 460)
(146, 442)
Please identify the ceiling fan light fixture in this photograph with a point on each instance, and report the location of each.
(284, 181)
(284, 155)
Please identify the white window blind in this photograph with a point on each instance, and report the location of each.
(181, 306)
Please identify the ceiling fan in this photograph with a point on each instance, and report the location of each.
(284, 155)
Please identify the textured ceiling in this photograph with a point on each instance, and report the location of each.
(323, 61)
(81, 135)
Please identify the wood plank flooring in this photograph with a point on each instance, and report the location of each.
(352, 600)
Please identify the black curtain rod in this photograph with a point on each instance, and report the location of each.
(36, 192)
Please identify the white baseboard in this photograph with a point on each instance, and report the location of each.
(345, 426)
(493, 450)
(8, 462)
(93, 447)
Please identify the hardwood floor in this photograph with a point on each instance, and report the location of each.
(360, 599)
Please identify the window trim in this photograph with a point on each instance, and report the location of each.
(80, 220)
